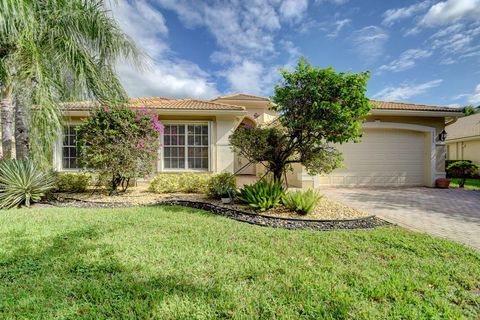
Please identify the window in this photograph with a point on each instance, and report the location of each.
(185, 146)
(69, 148)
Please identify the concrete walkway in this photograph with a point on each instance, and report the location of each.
(451, 213)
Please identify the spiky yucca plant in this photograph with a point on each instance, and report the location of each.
(302, 202)
(262, 195)
(22, 182)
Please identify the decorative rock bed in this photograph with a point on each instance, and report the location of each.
(241, 215)
(277, 222)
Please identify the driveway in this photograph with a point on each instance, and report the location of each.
(450, 213)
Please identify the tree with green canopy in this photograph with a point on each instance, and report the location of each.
(318, 108)
(469, 110)
(53, 51)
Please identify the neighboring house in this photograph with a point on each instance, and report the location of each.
(463, 139)
(400, 144)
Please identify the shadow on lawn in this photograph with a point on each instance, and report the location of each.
(77, 276)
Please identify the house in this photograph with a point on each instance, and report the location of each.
(400, 144)
(463, 139)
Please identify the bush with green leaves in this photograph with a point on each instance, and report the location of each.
(120, 143)
(23, 182)
(262, 195)
(463, 170)
(222, 185)
(179, 183)
(302, 202)
(73, 181)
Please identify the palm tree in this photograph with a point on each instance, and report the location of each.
(53, 51)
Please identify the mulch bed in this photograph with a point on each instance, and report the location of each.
(243, 216)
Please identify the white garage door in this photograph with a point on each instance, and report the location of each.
(385, 157)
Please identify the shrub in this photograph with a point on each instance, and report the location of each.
(73, 182)
(120, 143)
(262, 195)
(22, 182)
(302, 202)
(222, 185)
(179, 182)
(462, 169)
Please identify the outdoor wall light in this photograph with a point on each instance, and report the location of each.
(442, 136)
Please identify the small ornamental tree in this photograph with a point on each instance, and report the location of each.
(120, 143)
(317, 108)
(463, 170)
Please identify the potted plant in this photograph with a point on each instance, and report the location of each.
(442, 183)
(226, 193)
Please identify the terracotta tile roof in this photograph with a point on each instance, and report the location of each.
(241, 96)
(377, 104)
(466, 127)
(160, 103)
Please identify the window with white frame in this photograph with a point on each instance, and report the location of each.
(185, 147)
(69, 148)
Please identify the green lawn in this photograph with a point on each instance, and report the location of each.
(177, 263)
(472, 184)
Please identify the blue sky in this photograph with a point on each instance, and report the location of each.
(417, 51)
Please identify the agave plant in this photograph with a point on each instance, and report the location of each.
(262, 195)
(22, 182)
(302, 202)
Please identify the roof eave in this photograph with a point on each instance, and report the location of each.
(86, 112)
(416, 113)
(459, 139)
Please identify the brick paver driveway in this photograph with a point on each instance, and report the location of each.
(452, 213)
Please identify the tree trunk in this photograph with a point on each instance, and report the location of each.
(277, 173)
(6, 106)
(21, 129)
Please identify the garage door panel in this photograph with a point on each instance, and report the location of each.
(384, 157)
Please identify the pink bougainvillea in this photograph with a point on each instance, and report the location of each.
(121, 143)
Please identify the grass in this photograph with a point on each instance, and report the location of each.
(471, 184)
(178, 263)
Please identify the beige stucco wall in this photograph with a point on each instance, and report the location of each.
(223, 125)
(257, 110)
(464, 150)
(432, 149)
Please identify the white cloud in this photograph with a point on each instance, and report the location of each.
(240, 28)
(137, 19)
(453, 29)
(339, 24)
(245, 33)
(168, 78)
(293, 9)
(406, 91)
(448, 61)
(253, 77)
(391, 16)
(246, 77)
(475, 96)
(337, 2)
(458, 43)
(406, 60)
(450, 11)
(369, 42)
(163, 75)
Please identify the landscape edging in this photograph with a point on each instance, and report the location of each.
(279, 222)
